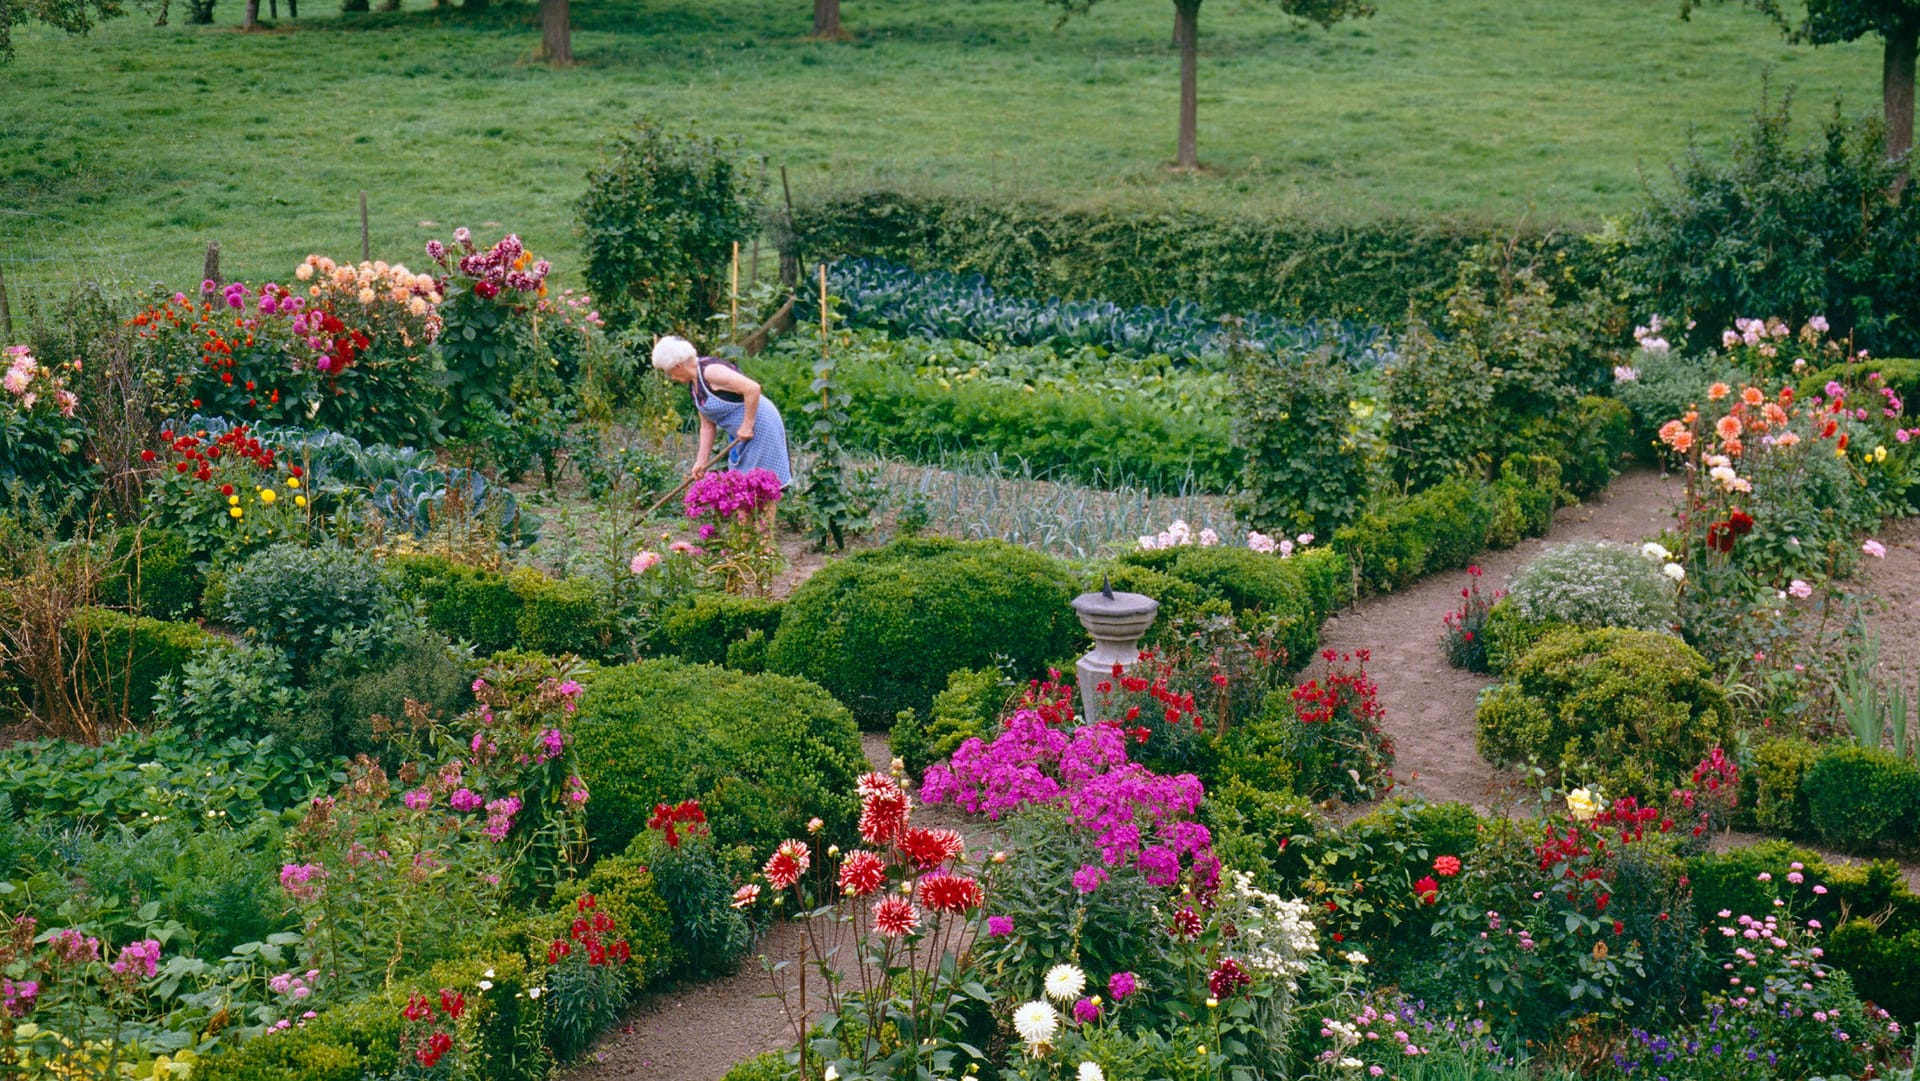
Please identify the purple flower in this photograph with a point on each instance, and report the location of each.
(436, 251)
(1121, 985)
(418, 800)
(1160, 865)
(302, 881)
(999, 926)
(554, 742)
(1088, 878)
(465, 800)
(1086, 1011)
(207, 286)
(142, 956)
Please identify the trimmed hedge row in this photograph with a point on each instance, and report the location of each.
(1299, 592)
(1293, 268)
(1855, 798)
(762, 753)
(123, 658)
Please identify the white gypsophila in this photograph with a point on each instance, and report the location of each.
(1594, 584)
(1275, 934)
(1090, 1071)
(1036, 1022)
(1065, 982)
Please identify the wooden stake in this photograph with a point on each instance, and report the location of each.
(211, 270)
(6, 312)
(366, 239)
(790, 245)
(733, 304)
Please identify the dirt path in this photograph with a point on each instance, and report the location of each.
(1429, 705)
(698, 1032)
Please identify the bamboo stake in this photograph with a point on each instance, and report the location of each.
(6, 312)
(683, 485)
(733, 304)
(366, 238)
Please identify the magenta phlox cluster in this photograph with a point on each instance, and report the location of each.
(1133, 813)
(732, 494)
(139, 958)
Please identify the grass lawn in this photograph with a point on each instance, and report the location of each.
(125, 152)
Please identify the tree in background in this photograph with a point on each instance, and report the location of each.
(1828, 22)
(556, 33)
(826, 19)
(73, 16)
(1186, 35)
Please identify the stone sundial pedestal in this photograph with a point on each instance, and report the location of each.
(1116, 621)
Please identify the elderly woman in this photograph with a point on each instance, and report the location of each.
(730, 402)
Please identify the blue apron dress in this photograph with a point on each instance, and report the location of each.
(768, 447)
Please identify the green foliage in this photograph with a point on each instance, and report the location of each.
(243, 691)
(1253, 826)
(663, 731)
(123, 659)
(1522, 505)
(625, 889)
(1885, 967)
(1589, 438)
(771, 1066)
(1292, 596)
(705, 631)
(355, 694)
(1900, 376)
(220, 883)
(658, 219)
(835, 504)
(567, 615)
(1665, 386)
(1303, 469)
(1776, 780)
(1633, 710)
(1130, 255)
(695, 883)
(154, 574)
(146, 778)
(1782, 230)
(465, 603)
(1509, 637)
(945, 604)
(1859, 798)
(1442, 528)
(298, 599)
(923, 402)
(1593, 584)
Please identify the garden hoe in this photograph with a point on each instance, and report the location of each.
(682, 486)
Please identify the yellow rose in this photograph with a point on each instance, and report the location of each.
(268, 495)
(1582, 804)
(1880, 454)
(233, 500)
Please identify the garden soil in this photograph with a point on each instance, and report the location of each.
(698, 1033)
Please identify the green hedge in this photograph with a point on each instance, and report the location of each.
(1902, 376)
(763, 753)
(1300, 592)
(122, 658)
(1093, 437)
(882, 629)
(1439, 529)
(1861, 798)
(467, 604)
(705, 630)
(154, 574)
(1299, 268)
(557, 616)
(1634, 710)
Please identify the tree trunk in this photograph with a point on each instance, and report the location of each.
(251, 20)
(826, 18)
(293, 9)
(473, 5)
(162, 20)
(556, 33)
(1896, 87)
(353, 5)
(1186, 31)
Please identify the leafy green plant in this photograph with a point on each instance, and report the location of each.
(1304, 468)
(1859, 797)
(298, 599)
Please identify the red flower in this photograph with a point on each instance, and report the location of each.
(894, 916)
(787, 864)
(929, 848)
(417, 1008)
(555, 952)
(1446, 866)
(951, 893)
(147, 456)
(436, 1046)
(861, 873)
(1427, 890)
(452, 1003)
(1227, 977)
(883, 815)
(1186, 924)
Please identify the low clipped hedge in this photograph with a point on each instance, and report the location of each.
(762, 753)
(1638, 708)
(123, 658)
(882, 629)
(704, 631)
(1900, 375)
(467, 604)
(1299, 591)
(1439, 529)
(154, 573)
(1862, 798)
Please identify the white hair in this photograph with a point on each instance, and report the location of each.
(671, 351)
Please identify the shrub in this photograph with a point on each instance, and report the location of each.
(467, 604)
(1254, 827)
(1442, 528)
(1777, 779)
(568, 615)
(771, 1066)
(220, 883)
(1781, 230)
(1296, 593)
(155, 574)
(297, 598)
(705, 631)
(1509, 637)
(1301, 469)
(763, 753)
(1522, 505)
(882, 629)
(1859, 797)
(625, 889)
(356, 694)
(1900, 376)
(1639, 708)
(659, 215)
(1594, 584)
(696, 882)
(1588, 438)
(245, 692)
(967, 708)
(123, 659)
(1885, 968)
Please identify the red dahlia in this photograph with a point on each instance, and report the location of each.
(861, 873)
(895, 916)
(951, 893)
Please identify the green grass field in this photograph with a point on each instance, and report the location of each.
(124, 152)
